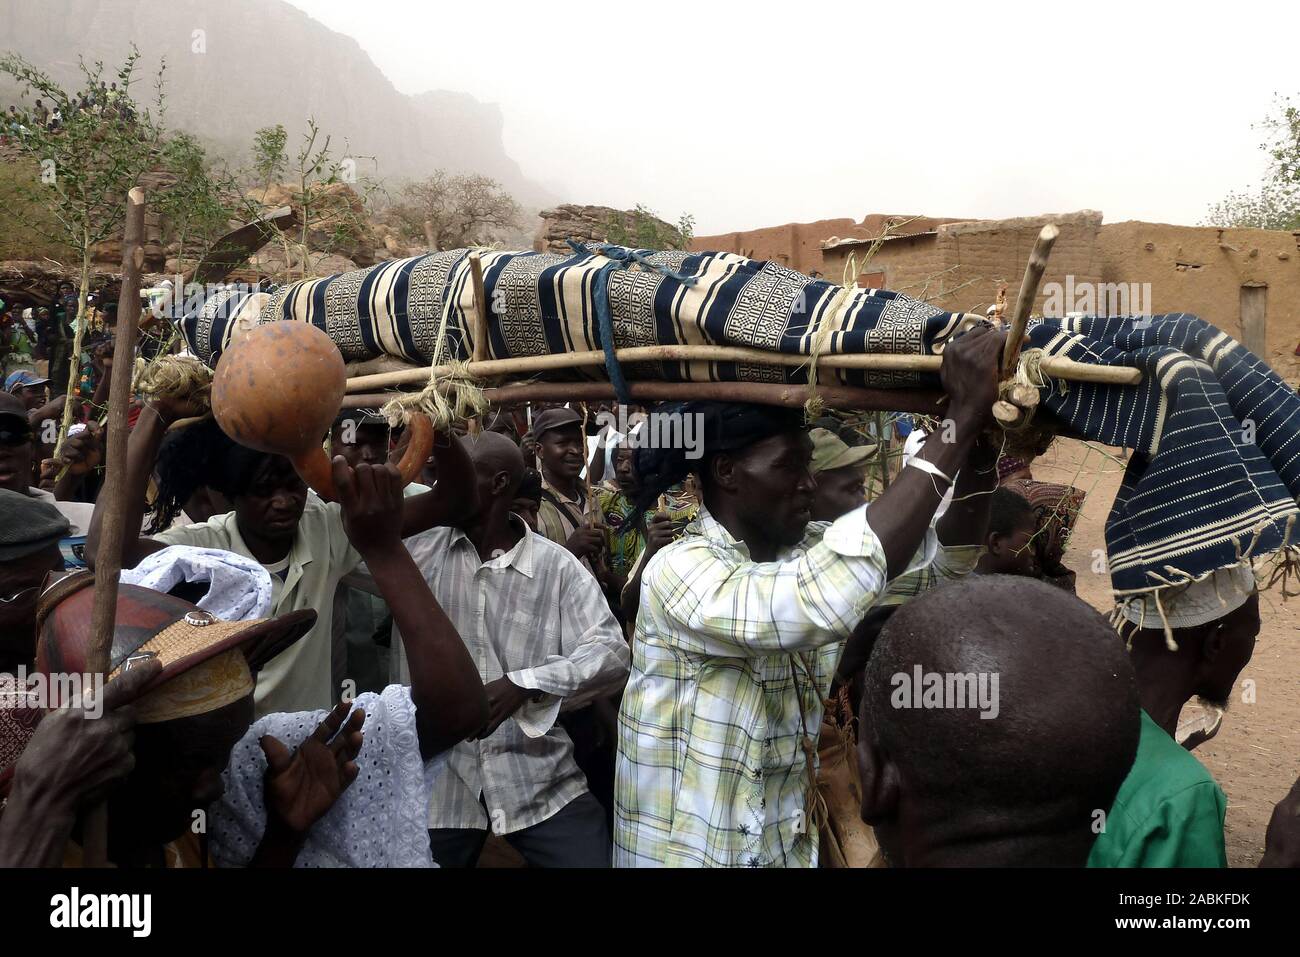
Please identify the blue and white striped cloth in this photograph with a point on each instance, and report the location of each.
(1216, 434)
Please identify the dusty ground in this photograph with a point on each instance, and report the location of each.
(1256, 755)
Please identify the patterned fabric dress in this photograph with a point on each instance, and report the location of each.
(625, 542)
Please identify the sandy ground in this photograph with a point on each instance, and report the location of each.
(1256, 755)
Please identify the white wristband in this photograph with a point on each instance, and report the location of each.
(917, 462)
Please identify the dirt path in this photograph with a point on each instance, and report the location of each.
(1256, 755)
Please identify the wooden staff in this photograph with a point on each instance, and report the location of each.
(921, 401)
(1055, 366)
(481, 353)
(1025, 301)
(108, 560)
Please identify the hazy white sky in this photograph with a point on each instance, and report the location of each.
(756, 114)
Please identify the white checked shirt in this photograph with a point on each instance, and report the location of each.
(538, 617)
(732, 660)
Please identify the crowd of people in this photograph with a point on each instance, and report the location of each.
(591, 648)
(103, 100)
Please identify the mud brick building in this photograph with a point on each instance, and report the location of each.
(1246, 281)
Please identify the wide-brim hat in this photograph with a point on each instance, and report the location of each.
(148, 624)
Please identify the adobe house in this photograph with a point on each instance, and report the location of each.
(1246, 281)
(800, 245)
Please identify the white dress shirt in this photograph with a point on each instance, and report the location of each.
(536, 616)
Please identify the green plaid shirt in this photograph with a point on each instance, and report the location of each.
(731, 661)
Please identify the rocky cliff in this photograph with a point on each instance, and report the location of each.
(238, 65)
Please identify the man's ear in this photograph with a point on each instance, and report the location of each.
(500, 482)
(878, 776)
(723, 471)
(1212, 642)
(993, 543)
(876, 773)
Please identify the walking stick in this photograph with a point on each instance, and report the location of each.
(108, 560)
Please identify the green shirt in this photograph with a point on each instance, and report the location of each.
(1168, 812)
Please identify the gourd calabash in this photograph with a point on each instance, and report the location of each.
(279, 388)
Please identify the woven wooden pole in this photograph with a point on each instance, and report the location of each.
(108, 560)
(1053, 366)
(1028, 292)
(921, 401)
(481, 353)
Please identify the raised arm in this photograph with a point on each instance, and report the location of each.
(967, 520)
(819, 596)
(450, 703)
(454, 497)
(902, 514)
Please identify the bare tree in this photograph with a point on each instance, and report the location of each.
(450, 210)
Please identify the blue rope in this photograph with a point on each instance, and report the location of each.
(620, 257)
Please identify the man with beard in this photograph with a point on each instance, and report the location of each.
(1169, 811)
(744, 619)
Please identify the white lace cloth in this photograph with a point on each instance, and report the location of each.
(239, 589)
(381, 820)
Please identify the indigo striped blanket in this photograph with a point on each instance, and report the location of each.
(1215, 433)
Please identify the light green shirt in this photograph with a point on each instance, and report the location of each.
(297, 679)
(731, 663)
(1168, 812)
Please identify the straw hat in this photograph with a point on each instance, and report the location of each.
(149, 624)
(203, 658)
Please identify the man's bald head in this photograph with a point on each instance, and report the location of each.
(1023, 782)
(499, 465)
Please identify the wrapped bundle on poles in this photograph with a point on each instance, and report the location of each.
(1216, 470)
